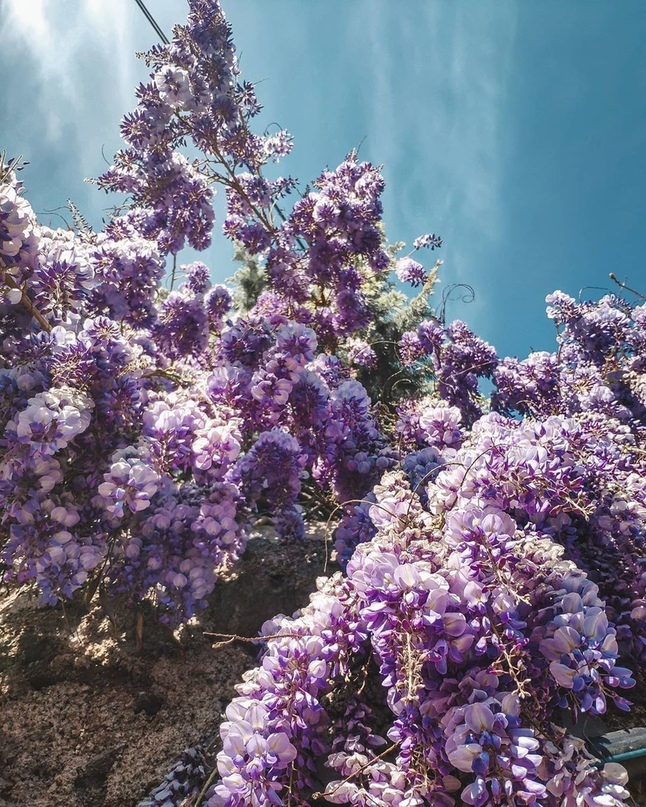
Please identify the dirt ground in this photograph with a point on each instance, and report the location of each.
(89, 719)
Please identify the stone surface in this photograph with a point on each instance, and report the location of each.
(88, 720)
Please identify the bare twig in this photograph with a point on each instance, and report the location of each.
(24, 299)
(621, 285)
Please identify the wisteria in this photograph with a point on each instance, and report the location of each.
(488, 514)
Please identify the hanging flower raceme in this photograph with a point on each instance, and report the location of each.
(493, 549)
(19, 234)
(474, 640)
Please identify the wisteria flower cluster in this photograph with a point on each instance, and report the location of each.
(475, 628)
(145, 429)
(491, 545)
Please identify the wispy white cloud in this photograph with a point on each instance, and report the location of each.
(456, 60)
(80, 58)
(80, 64)
(68, 71)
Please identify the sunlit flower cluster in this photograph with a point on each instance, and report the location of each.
(491, 543)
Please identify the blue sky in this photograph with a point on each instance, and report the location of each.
(516, 129)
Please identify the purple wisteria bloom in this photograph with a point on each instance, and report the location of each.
(130, 483)
(410, 271)
(492, 544)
